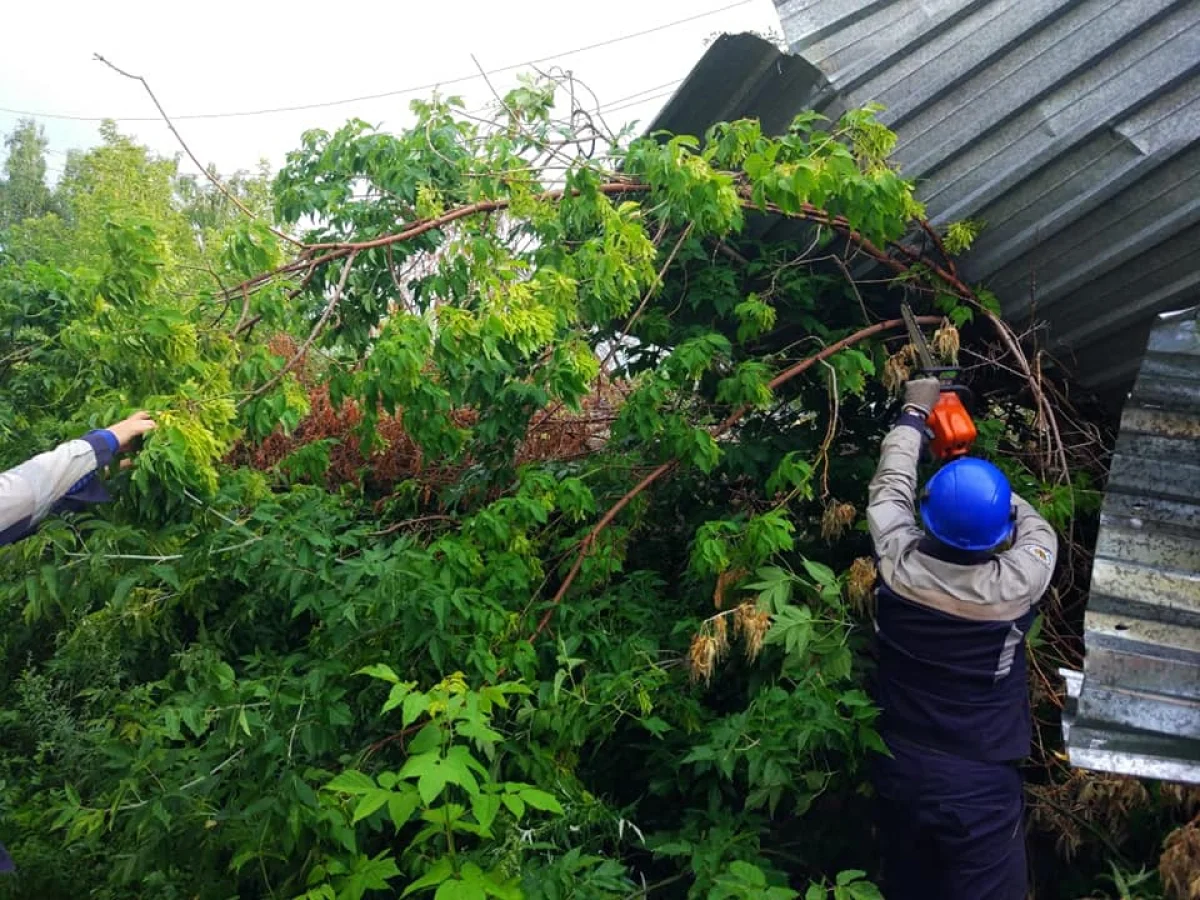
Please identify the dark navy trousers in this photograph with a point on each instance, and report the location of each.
(950, 828)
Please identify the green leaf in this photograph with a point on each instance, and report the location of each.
(792, 628)
(775, 587)
(427, 739)
(414, 706)
(793, 473)
(396, 696)
(864, 890)
(485, 807)
(849, 875)
(820, 573)
(456, 768)
(440, 871)
(748, 874)
(370, 803)
(460, 890)
(401, 806)
(515, 805)
(381, 671)
(539, 799)
(431, 784)
(351, 782)
(370, 874)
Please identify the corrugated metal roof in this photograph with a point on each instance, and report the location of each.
(1070, 127)
(1135, 708)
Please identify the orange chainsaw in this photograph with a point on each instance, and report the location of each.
(952, 430)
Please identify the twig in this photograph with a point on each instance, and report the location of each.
(241, 322)
(391, 266)
(823, 453)
(392, 529)
(1044, 409)
(586, 544)
(397, 736)
(296, 724)
(1043, 797)
(853, 286)
(139, 557)
(654, 286)
(192, 156)
(725, 250)
(312, 336)
(937, 242)
(516, 120)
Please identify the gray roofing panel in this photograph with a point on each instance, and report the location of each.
(1071, 128)
(1136, 708)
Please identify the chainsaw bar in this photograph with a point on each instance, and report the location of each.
(918, 339)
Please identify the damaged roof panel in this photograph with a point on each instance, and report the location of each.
(1136, 706)
(1070, 127)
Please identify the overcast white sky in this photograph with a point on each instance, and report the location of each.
(225, 56)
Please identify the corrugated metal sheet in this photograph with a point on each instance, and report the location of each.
(1135, 708)
(1070, 127)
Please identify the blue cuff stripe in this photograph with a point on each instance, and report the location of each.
(912, 420)
(104, 444)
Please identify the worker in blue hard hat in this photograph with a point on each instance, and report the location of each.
(955, 599)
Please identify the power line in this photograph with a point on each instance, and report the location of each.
(407, 90)
(667, 86)
(629, 101)
(621, 106)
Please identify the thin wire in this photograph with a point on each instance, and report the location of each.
(610, 106)
(407, 90)
(660, 96)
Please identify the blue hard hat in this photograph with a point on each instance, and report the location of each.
(968, 505)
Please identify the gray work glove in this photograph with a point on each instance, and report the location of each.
(921, 395)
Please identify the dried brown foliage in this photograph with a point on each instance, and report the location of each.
(702, 657)
(836, 519)
(1182, 798)
(555, 433)
(752, 625)
(725, 580)
(1179, 865)
(860, 586)
(946, 343)
(1086, 803)
(898, 369)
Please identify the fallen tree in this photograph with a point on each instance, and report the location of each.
(462, 497)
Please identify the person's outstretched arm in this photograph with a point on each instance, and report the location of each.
(31, 491)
